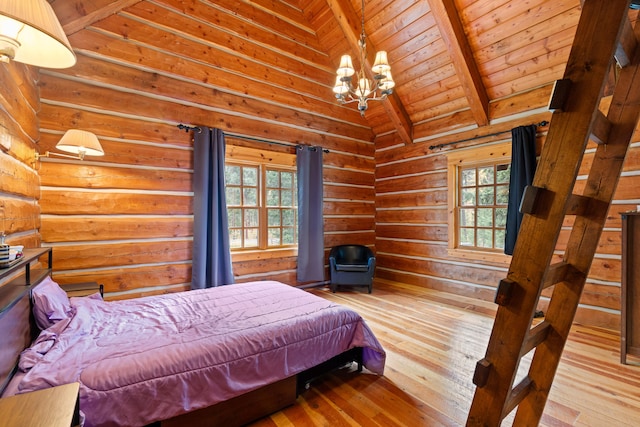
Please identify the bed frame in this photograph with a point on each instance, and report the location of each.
(18, 330)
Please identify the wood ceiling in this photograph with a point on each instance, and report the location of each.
(458, 64)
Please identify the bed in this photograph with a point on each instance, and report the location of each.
(239, 351)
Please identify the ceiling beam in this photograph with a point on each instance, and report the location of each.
(350, 24)
(452, 32)
(106, 8)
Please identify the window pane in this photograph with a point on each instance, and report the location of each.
(500, 236)
(273, 179)
(467, 217)
(485, 238)
(274, 236)
(250, 196)
(286, 179)
(235, 238)
(273, 198)
(468, 196)
(485, 175)
(502, 194)
(485, 218)
(273, 217)
(468, 177)
(250, 237)
(232, 175)
(501, 217)
(503, 173)
(233, 196)
(467, 237)
(250, 176)
(235, 217)
(288, 236)
(485, 194)
(287, 198)
(288, 217)
(251, 218)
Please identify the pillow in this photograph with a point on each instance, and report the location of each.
(50, 303)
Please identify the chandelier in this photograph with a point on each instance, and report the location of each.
(363, 89)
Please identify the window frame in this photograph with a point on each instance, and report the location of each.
(471, 157)
(263, 160)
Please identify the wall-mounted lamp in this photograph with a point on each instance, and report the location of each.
(78, 142)
(31, 33)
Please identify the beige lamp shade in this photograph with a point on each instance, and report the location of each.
(80, 142)
(31, 33)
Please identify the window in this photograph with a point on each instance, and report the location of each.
(478, 185)
(261, 200)
(483, 195)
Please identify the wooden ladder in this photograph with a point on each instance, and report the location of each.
(603, 32)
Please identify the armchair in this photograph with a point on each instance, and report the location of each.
(351, 265)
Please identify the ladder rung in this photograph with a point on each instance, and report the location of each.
(585, 206)
(535, 200)
(559, 94)
(601, 128)
(626, 46)
(536, 335)
(504, 291)
(561, 272)
(577, 204)
(518, 393)
(481, 374)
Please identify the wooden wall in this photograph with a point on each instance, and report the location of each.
(412, 221)
(125, 219)
(19, 182)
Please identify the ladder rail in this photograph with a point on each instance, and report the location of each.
(601, 184)
(599, 28)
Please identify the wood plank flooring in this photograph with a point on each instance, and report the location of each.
(433, 341)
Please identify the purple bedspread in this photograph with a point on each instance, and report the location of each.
(148, 359)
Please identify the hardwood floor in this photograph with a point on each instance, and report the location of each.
(433, 341)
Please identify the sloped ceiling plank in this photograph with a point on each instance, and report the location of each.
(446, 16)
(348, 22)
(84, 14)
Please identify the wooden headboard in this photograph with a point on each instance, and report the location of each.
(17, 324)
(17, 328)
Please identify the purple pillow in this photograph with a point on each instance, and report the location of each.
(50, 303)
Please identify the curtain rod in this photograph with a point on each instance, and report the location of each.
(187, 128)
(433, 147)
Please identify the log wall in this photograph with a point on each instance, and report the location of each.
(125, 219)
(412, 220)
(19, 182)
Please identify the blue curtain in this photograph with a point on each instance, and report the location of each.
(211, 253)
(310, 221)
(523, 168)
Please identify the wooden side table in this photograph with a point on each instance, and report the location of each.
(82, 289)
(51, 407)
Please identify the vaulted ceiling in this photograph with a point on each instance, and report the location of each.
(458, 64)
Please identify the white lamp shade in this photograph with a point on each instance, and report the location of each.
(31, 33)
(341, 87)
(387, 83)
(364, 87)
(381, 64)
(346, 67)
(80, 142)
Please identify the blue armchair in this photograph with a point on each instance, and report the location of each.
(351, 265)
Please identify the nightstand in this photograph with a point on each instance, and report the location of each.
(51, 407)
(82, 289)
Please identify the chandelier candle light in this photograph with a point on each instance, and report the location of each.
(364, 89)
